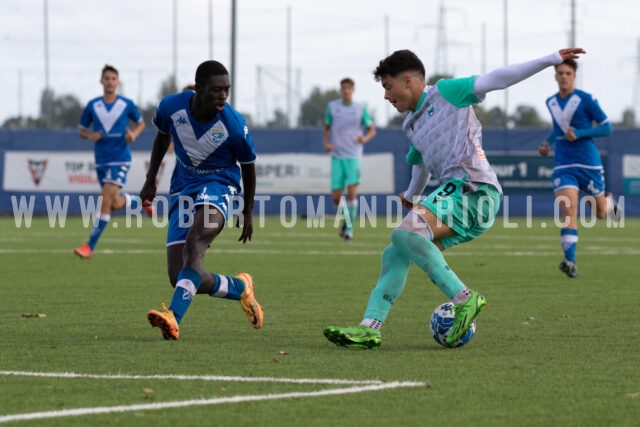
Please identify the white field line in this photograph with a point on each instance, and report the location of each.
(220, 378)
(364, 387)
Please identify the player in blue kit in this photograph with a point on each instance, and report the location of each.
(446, 145)
(210, 138)
(577, 164)
(110, 115)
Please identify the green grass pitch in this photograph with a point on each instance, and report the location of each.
(548, 350)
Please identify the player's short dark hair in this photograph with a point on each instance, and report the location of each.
(570, 62)
(208, 69)
(347, 80)
(398, 62)
(111, 68)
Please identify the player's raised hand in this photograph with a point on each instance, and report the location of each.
(571, 53)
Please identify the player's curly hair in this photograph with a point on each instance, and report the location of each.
(208, 69)
(398, 62)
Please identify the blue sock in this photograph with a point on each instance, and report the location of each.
(393, 277)
(227, 287)
(96, 232)
(569, 240)
(189, 281)
(426, 255)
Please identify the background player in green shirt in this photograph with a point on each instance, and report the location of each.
(343, 137)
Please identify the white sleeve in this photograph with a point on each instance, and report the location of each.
(419, 180)
(502, 78)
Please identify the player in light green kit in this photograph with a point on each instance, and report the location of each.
(343, 138)
(446, 145)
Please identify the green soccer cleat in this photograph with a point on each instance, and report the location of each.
(354, 336)
(465, 313)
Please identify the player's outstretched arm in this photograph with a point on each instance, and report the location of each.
(502, 78)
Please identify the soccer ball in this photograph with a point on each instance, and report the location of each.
(441, 322)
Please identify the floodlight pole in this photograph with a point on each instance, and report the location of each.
(386, 53)
(47, 100)
(210, 29)
(175, 44)
(233, 51)
(572, 35)
(288, 66)
(506, 59)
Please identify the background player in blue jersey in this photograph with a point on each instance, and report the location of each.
(577, 163)
(210, 138)
(343, 138)
(110, 115)
(446, 145)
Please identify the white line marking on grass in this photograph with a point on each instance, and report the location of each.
(189, 378)
(367, 386)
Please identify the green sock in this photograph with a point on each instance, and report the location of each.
(426, 255)
(352, 211)
(393, 276)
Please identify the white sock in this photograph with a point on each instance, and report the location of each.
(462, 296)
(372, 323)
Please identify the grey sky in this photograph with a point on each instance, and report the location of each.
(331, 39)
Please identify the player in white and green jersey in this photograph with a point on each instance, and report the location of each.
(344, 139)
(446, 145)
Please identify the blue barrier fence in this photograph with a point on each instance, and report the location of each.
(525, 175)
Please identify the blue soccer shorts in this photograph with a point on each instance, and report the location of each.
(223, 198)
(115, 174)
(587, 179)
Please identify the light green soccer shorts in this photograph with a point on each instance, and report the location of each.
(466, 211)
(344, 172)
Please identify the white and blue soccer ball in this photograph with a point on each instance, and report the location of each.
(442, 321)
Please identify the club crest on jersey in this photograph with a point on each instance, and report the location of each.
(218, 134)
(429, 109)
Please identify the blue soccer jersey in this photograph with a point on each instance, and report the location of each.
(578, 111)
(207, 152)
(112, 120)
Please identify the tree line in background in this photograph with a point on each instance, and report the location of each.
(64, 111)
